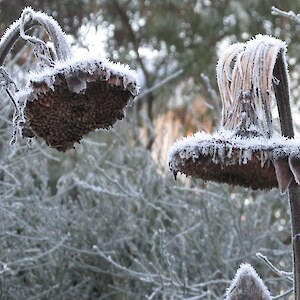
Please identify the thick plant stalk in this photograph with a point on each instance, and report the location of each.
(53, 29)
(286, 123)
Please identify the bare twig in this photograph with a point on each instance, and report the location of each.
(158, 85)
(277, 12)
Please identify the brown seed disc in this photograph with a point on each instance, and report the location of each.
(61, 117)
(256, 173)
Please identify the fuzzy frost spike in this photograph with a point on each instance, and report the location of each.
(283, 174)
(247, 285)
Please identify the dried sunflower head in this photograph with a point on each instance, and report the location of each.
(70, 95)
(244, 151)
(75, 97)
(258, 162)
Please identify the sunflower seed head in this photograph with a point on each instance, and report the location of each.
(244, 150)
(64, 104)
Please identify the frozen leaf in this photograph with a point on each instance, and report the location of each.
(247, 285)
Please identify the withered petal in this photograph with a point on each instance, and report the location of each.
(283, 174)
(294, 163)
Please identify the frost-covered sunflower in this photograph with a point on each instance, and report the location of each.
(245, 150)
(69, 95)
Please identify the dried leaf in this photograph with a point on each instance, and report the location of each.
(294, 163)
(283, 173)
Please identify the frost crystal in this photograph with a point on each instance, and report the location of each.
(247, 285)
(244, 151)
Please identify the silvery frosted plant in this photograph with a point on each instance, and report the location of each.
(68, 95)
(245, 150)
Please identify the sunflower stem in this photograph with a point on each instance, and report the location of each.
(58, 37)
(284, 109)
(11, 36)
(28, 20)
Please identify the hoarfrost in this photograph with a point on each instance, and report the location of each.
(222, 147)
(6, 42)
(245, 72)
(247, 285)
(88, 63)
(225, 141)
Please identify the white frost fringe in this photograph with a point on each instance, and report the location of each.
(246, 67)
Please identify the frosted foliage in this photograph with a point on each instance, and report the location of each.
(245, 78)
(105, 222)
(105, 219)
(247, 285)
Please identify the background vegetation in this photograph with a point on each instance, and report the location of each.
(107, 220)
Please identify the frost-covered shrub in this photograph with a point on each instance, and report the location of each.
(101, 221)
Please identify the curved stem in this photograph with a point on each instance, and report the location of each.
(11, 36)
(54, 30)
